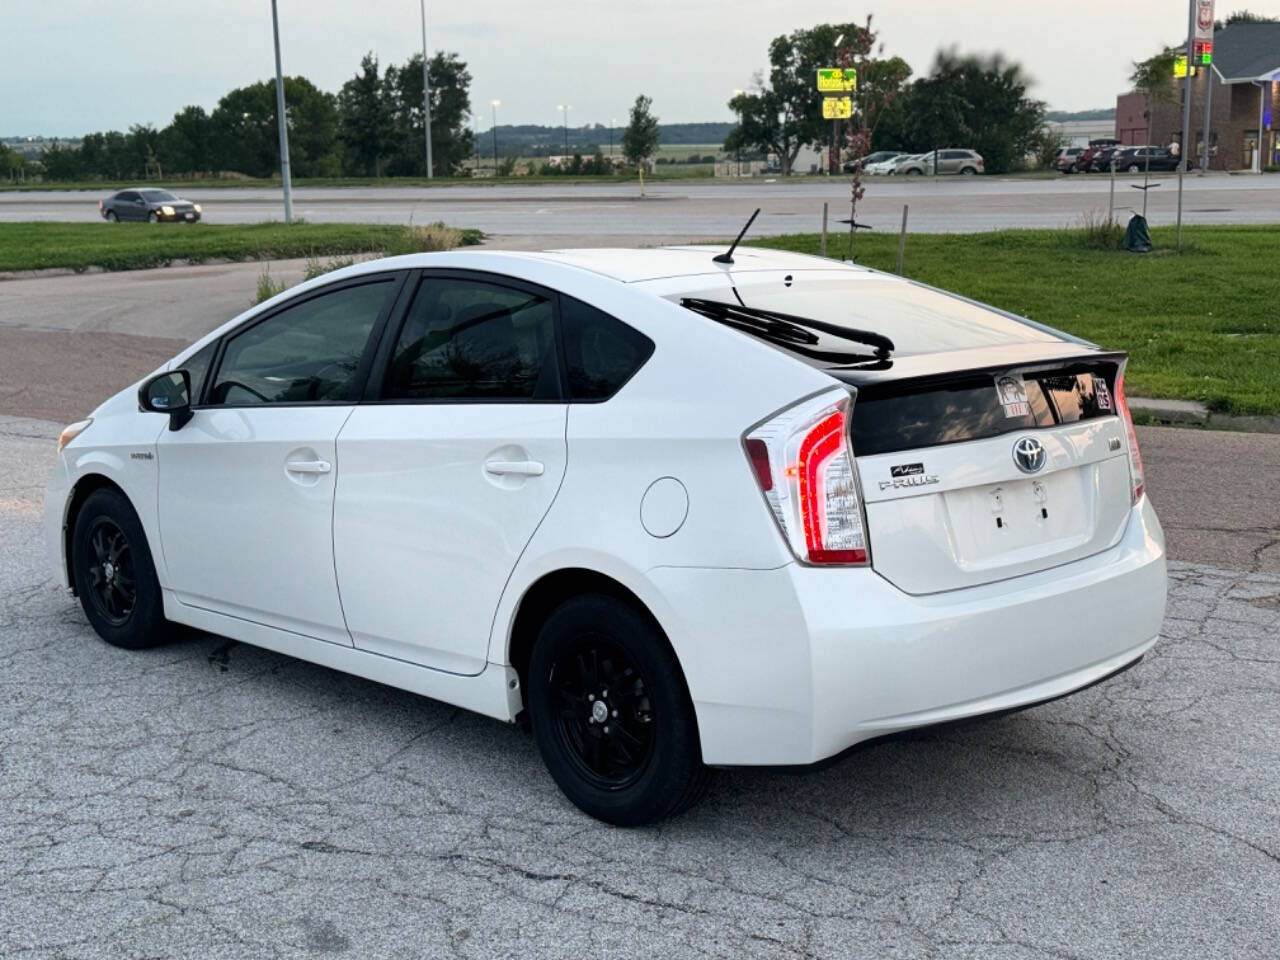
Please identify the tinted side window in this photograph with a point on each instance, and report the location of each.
(127, 195)
(197, 365)
(305, 353)
(600, 353)
(473, 340)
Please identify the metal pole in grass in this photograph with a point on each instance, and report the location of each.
(1111, 200)
(822, 244)
(1178, 242)
(283, 120)
(902, 239)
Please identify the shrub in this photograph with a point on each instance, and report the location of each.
(318, 268)
(267, 287)
(425, 239)
(1100, 232)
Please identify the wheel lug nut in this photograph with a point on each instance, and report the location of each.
(606, 729)
(615, 713)
(604, 693)
(591, 697)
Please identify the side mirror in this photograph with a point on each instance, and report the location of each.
(168, 393)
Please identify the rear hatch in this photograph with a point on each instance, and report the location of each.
(983, 474)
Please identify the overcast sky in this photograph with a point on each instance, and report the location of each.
(72, 66)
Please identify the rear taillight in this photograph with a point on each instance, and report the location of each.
(1135, 455)
(803, 461)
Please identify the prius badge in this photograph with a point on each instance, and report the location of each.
(1029, 454)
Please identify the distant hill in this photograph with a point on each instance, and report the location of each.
(532, 140)
(1066, 116)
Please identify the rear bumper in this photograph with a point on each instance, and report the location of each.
(793, 665)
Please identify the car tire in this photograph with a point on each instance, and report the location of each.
(1134, 168)
(153, 217)
(914, 173)
(969, 171)
(114, 575)
(611, 713)
(111, 217)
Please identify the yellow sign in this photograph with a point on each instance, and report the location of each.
(1180, 66)
(837, 108)
(837, 80)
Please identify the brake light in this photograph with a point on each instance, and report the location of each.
(1135, 455)
(803, 461)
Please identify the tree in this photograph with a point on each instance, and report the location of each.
(975, 102)
(364, 119)
(785, 113)
(187, 144)
(451, 136)
(640, 139)
(244, 124)
(1153, 77)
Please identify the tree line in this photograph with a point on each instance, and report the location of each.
(373, 126)
(964, 101)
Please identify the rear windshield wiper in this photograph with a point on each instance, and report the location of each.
(788, 330)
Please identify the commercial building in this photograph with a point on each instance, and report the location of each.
(1243, 86)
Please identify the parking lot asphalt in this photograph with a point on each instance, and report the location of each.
(681, 210)
(211, 800)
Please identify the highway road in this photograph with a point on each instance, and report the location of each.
(676, 211)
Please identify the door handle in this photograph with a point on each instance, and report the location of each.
(519, 468)
(308, 466)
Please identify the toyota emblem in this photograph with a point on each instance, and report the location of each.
(1029, 454)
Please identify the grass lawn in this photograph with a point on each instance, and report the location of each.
(135, 246)
(1203, 325)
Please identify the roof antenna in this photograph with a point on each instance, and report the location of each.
(727, 256)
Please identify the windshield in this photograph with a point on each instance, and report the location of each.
(915, 318)
(157, 196)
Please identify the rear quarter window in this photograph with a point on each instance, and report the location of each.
(601, 353)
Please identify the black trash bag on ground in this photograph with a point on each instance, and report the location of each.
(1137, 238)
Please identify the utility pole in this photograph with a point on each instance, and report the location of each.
(495, 104)
(1183, 152)
(564, 109)
(426, 91)
(283, 120)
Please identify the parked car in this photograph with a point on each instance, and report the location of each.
(1084, 159)
(1102, 159)
(1155, 159)
(871, 159)
(675, 511)
(900, 164)
(950, 161)
(883, 166)
(148, 203)
(1064, 160)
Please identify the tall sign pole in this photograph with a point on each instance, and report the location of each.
(1186, 84)
(426, 90)
(283, 120)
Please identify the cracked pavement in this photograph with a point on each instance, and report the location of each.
(208, 799)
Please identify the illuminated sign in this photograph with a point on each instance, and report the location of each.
(837, 80)
(837, 108)
(1180, 66)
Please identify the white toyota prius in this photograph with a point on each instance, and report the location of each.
(672, 510)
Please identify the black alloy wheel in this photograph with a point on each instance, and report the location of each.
(113, 573)
(611, 713)
(604, 716)
(113, 587)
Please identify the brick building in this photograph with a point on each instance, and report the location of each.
(1244, 103)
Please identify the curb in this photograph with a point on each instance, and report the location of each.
(1194, 414)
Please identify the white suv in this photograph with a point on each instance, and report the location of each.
(673, 511)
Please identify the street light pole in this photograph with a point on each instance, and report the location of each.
(564, 108)
(283, 122)
(426, 90)
(495, 104)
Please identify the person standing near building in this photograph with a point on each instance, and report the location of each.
(1174, 147)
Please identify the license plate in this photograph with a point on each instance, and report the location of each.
(191, 216)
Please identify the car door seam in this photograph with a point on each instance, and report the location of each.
(333, 530)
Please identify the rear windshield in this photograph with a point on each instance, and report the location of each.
(916, 319)
(157, 196)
